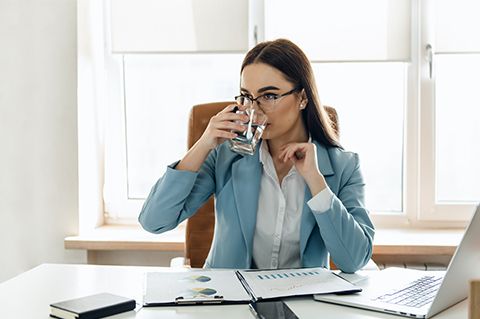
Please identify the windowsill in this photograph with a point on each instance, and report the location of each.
(120, 237)
(387, 241)
(417, 241)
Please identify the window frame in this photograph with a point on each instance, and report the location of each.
(419, 207)
(429, 210)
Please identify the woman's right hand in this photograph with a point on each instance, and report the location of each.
(218, 131)
(220, 126)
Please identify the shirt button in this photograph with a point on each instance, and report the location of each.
(277, 238)
(274, 264)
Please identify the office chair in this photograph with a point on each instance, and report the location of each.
(200, 227)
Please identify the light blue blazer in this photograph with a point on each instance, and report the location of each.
(345, 231)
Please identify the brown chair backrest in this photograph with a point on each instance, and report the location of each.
(200, 227)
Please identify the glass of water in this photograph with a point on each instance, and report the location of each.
(247, 141)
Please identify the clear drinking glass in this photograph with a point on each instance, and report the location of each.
(247, 141)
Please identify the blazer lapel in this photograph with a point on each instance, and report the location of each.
(246, 177)
(308, 221)
(324, 164)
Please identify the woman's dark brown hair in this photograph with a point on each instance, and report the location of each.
(289, 59)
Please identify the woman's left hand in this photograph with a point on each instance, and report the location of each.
(304, 157)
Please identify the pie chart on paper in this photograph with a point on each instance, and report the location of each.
(195, 279)
(198, 292)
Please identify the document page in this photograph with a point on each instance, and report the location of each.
(295, 282)
(195, 286)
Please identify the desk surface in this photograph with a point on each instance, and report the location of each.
(30, 294)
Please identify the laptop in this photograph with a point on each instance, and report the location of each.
(400, 291)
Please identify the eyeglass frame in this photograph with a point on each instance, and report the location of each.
(275, 98)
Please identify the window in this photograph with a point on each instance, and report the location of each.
(457, 112)
(159, 92)
(370, 98)
(418, 155)
(449, 65)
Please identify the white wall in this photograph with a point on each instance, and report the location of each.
(38, 134)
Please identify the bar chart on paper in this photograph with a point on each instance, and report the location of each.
(278, 283)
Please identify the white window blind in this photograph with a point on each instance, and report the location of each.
(343, 30)
(155, 26)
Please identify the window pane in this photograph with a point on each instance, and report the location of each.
(159, 93)
(370, 99)
(457, 114)
(161, 89)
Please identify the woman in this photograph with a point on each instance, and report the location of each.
(299, 198)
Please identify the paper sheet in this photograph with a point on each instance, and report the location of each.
(165, 288)
(295, 282)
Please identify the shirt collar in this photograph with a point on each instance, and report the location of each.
(264, 153)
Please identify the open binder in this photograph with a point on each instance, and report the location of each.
(239, 286)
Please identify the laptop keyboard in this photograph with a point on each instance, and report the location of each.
(417, 294)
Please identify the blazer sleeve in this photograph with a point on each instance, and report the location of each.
(346, 227)
(176, 196)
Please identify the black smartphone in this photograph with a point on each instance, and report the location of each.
(271, 310)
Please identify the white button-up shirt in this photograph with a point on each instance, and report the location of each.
(276, 242)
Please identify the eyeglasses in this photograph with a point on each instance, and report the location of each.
(266, 102)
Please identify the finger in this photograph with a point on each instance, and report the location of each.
(227, 126)
(233, 108)
(218, 133)
(299, 155)
(285, 155)
(226, 134)
(281, 148)
(293, 149)
(241, 107)
(289, 154)
(294, 160)
(284, 148)
(229, 108)
(229, 116)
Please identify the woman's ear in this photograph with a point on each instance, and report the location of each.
(303, 99)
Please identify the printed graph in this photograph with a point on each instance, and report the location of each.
(198, 292)
(194, 279)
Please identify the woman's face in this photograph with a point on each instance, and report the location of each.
(285, 119)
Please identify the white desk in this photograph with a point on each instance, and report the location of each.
(30, 294)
